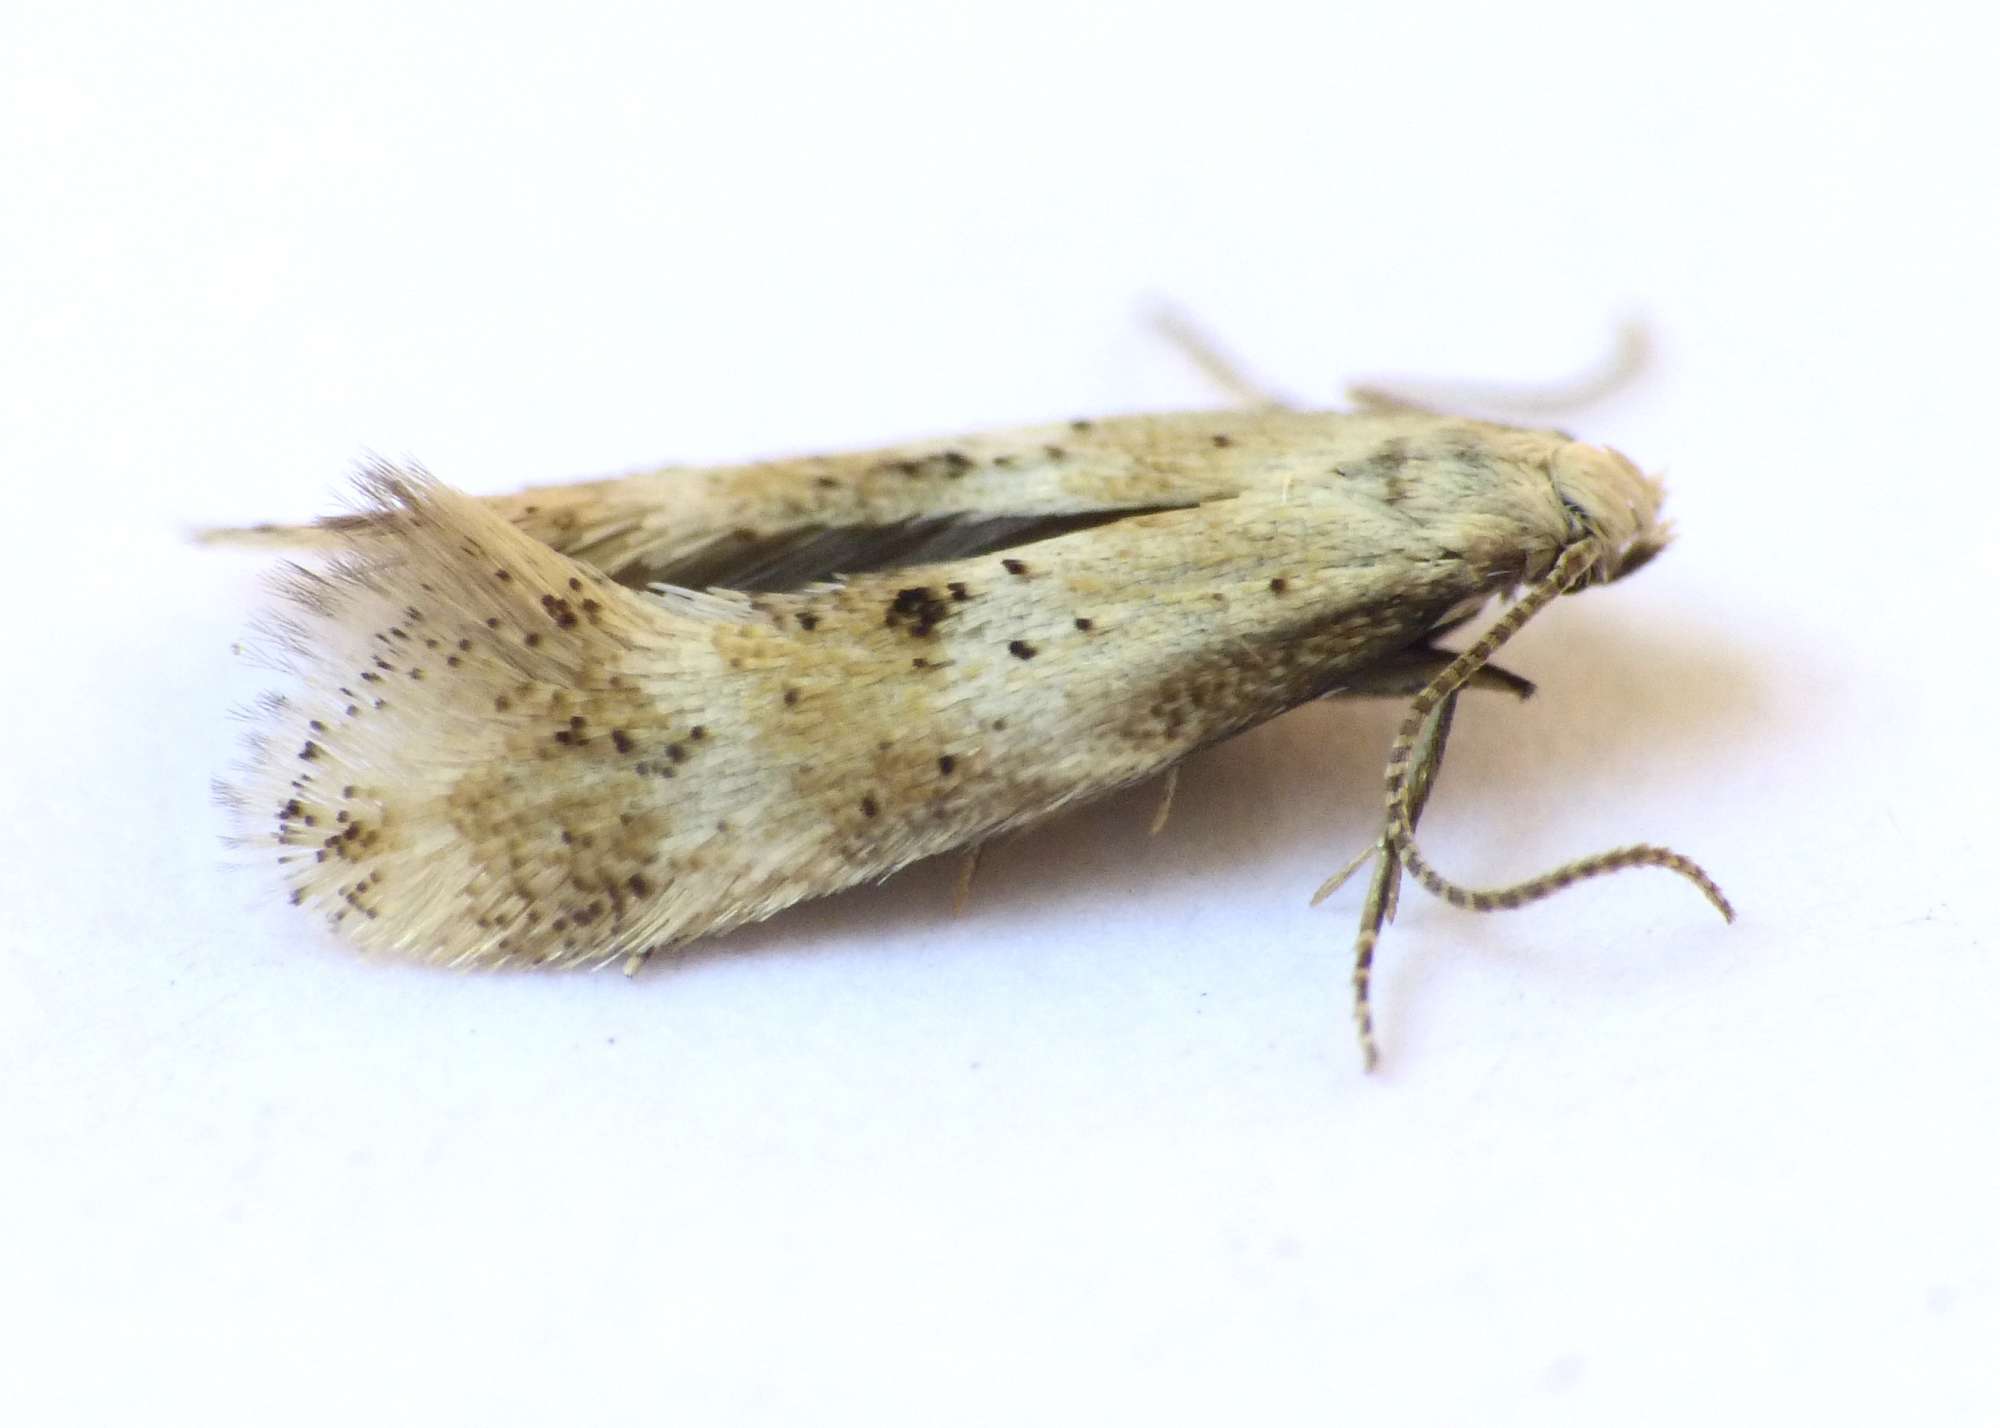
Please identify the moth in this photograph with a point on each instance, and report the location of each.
(584, 722)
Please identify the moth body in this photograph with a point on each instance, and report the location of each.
(587, 722)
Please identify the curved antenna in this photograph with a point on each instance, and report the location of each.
(1406, 783)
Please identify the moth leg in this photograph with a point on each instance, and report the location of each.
(968, 865)
(1410, 768)
(1200, 349)
(1168, 783)
(1406, 674)
(1430, 754)
(1339, 880)
(1379, 907)
(637, 960)
(1423, 775)
(1629, 358)
(1367, 397)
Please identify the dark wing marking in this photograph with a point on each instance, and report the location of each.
(791, 559)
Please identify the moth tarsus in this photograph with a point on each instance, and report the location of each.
(968, 869)
(584, 722)
(1169, 782)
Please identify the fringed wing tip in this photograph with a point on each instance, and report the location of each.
(377, 488)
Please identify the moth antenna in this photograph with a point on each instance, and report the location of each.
(1410, 771)
(1379, 907)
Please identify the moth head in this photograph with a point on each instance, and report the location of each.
(1612, 502)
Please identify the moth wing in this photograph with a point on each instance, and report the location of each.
(782, 525)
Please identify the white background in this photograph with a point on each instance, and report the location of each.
(1099, 1150)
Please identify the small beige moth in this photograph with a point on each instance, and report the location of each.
(584, 722)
